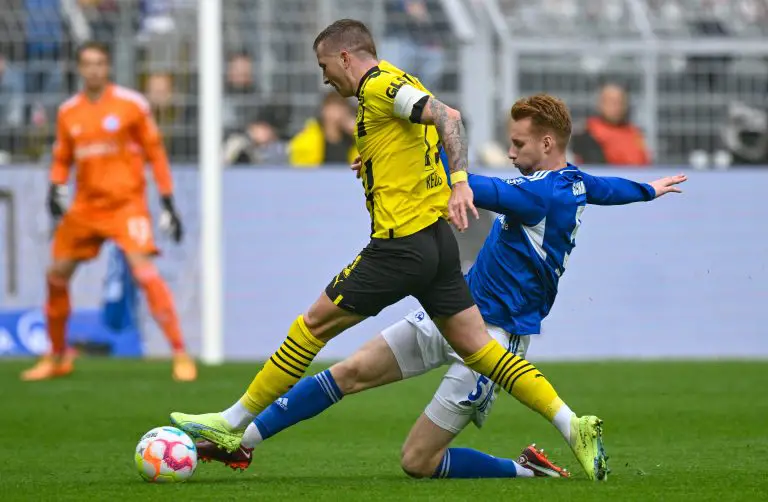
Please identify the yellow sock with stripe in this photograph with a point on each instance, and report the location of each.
(283, 369)
(518, 377)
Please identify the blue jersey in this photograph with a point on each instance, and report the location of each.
(515, 277)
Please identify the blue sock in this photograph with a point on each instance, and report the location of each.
(469, 463)
(309, 397)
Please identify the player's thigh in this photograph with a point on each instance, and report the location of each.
(424, 447)
(465, 332)
(372, 365)
(75, 239)
(385, 271)
(131, 230)
(417, 344)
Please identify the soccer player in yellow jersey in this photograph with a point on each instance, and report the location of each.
(412, 251)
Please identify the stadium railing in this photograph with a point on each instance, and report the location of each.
(686, 63)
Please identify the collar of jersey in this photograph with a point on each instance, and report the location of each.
(364, 78)
(568, 165)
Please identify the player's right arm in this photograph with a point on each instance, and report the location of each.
(512, 198)
(614, 191)
(63, 150)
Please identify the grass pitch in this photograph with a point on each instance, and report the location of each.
(674, 431)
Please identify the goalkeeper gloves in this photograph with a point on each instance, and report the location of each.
(57, 202)
(170, 222)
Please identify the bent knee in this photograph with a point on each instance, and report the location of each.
(145, 272)
(59, 273)
(419, 464)
(325, 320)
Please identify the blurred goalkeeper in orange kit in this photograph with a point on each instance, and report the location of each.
(108, 132)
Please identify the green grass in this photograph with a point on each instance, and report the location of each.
(674, 431)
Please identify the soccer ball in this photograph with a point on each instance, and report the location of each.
(166, 455)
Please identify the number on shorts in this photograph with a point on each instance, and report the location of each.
(474, 396)
(139, 230)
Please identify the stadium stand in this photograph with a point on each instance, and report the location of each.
(269, 61)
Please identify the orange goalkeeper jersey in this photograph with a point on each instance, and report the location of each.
(109, 140)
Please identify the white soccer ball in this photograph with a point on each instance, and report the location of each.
(166, 455)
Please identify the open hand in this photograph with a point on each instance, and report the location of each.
(668, 184)
(461, 200)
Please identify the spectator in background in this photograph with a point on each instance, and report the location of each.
(173, 120)
(240, 93)
(609, 137)
(327, 139)
(413, 40)
(258, 144)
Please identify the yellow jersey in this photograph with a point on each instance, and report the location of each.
(406, 188)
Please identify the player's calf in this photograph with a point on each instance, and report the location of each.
(418, 463)
(307, 335)
(161, 305)
(57, 309)
(159, 298)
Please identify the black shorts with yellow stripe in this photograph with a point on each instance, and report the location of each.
(424, 265)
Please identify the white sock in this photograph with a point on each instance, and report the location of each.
(562, 421)
(252, 436)
(523, 472)
(238, 415)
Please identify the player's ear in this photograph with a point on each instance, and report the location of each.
(345, 62)
(549, 143)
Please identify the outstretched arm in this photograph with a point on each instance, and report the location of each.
(612, 191)
(499, 196)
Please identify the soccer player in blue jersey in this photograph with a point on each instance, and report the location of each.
(514, 282)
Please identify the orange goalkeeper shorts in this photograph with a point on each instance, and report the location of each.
(80, 234)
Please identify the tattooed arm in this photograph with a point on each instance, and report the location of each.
(451, 130)
(419, 107)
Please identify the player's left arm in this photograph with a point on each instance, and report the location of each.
(151, 141)
(420, 107)
(613, 191)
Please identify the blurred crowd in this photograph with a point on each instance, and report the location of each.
(605, 17)
(275, 110)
